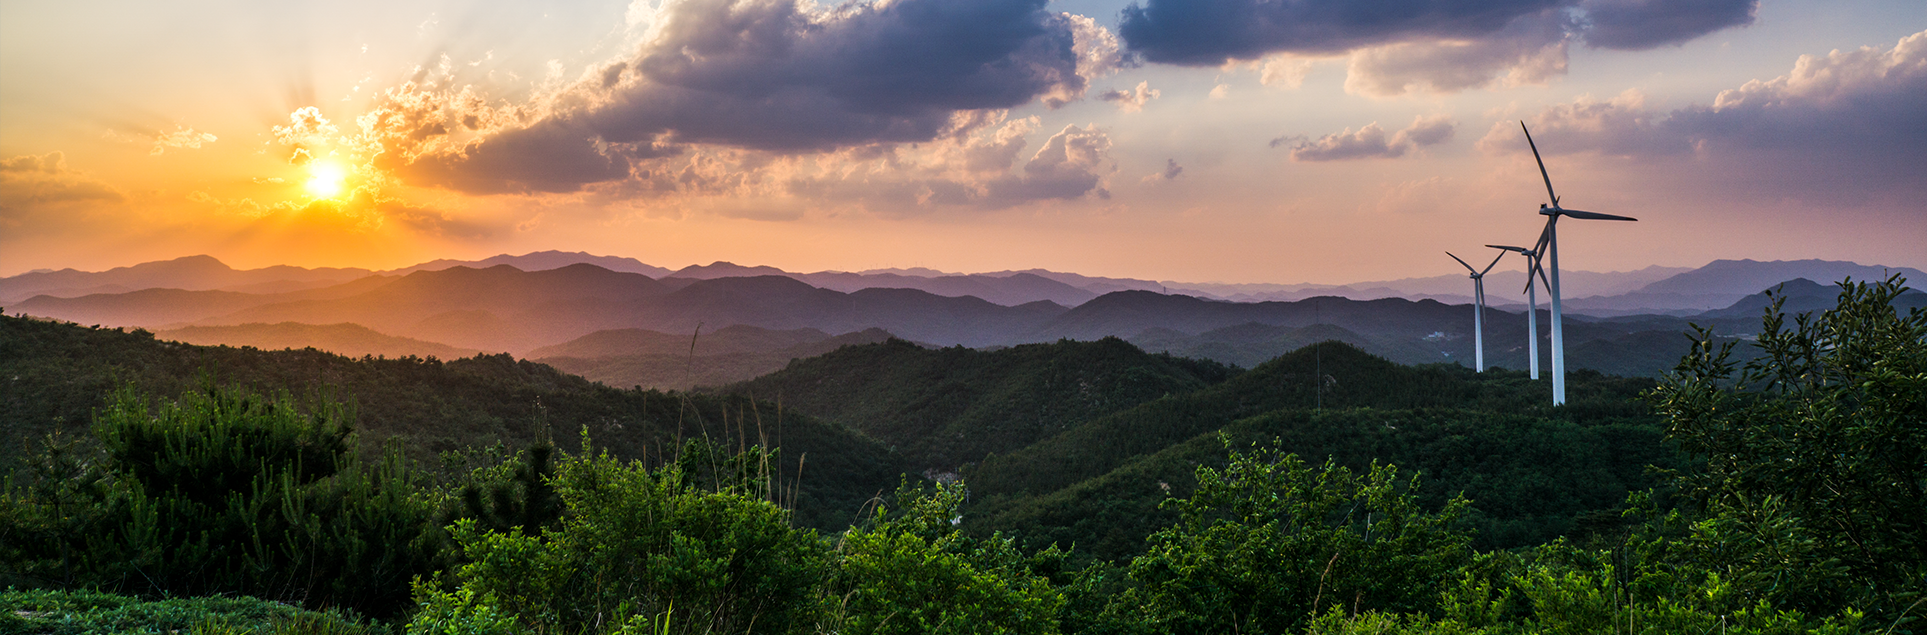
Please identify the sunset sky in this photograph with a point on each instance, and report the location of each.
(1203, 140)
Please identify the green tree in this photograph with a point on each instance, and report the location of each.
(1268, 542)
(1815, 455)
(913, 572)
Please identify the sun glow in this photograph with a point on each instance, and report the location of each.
(325, 179)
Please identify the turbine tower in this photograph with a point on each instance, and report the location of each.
(1532, 303)
(1478, 310)
(1549, 246)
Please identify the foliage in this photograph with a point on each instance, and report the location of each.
(1269, 541)
(636, 545)
(96, 613)
(223, 491)
(1815, 455)
(1335, 375)
(912, 572)
(1530, 478)
(58, 374)
(947, 407)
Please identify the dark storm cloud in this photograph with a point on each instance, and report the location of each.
(1644, 24)
(1212, 32)
(772, 75)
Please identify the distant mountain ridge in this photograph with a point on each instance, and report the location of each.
(189, 273)
(504, 308)
(541, 261)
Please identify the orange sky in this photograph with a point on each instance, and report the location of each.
(960, 135)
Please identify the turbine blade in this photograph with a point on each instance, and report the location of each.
(1521, 250)
(1593, 215)
(1542, 164)
(1495, 263)
(1462, 262)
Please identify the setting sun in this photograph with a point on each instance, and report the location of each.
(325, 179)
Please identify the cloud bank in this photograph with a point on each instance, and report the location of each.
(775, 77)
(1418, 45)
(1837, 127)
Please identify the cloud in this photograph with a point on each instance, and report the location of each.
(1170, 172)
(1644, 24)
(182, 137)
(777, 76)
(1839, 127)
(1436, 45)
(38, 181)
(1212, 33)
(978, 171)
(1132, 100)
(1529, 51)
(1285, 72)
(308, 133)
(1371, 141)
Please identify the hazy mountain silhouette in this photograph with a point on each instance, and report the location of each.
(153, 308)
(1721, 283)
(500, 308)
(351, 340)
(661, 360)
(191, 273)
(542, 261)
(1801, 295)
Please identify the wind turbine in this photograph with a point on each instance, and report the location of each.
(1549, 246)
(1532, 303)
(1478, 309)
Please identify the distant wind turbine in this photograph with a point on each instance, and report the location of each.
(1532, 303)
(1549, 246)
(1478, 309)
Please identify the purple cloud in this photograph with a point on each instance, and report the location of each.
(780, 77)
(1371, 141)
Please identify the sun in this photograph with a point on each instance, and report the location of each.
(325, 179)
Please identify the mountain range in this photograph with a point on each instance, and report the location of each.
(577, 315)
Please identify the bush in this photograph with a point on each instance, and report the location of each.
(223, 492)
(1812, 453)
(1268, 542)
(96, 613)
(913, 573)
(639, 546)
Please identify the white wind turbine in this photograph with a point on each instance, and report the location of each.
(1532, 303)
(1549, 246)
(1478, 310)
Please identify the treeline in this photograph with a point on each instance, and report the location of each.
(58, 375)
(1794, 507)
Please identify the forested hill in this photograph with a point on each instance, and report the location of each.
(1349, 379)
(1533, 471)
(943, 408)
(57, 374)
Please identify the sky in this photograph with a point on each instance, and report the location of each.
(1279, 141)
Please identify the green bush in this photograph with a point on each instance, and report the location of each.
(96, 613)
(223, 492)
(913, 572)
(1268, 542)
(638, 546)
